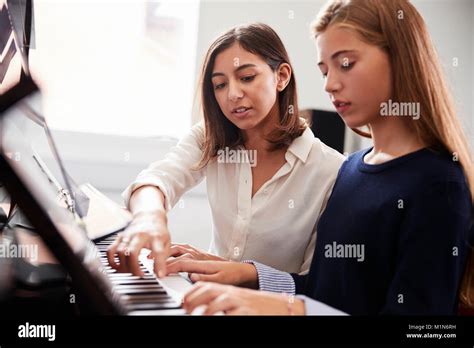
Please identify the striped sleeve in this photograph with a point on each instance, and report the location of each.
(271, 279)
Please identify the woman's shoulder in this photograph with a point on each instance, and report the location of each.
(322, 152)
(198, 130)
(195, 136)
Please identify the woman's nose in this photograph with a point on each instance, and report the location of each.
(235, 92)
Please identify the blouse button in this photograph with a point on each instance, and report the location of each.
(236, 251)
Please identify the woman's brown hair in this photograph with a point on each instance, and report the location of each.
(261, 40)
(396, 27)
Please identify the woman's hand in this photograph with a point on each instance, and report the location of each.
(236, 301)
(186, 251)
(147, 230)
(224, 272)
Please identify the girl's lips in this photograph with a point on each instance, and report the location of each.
(342, 107)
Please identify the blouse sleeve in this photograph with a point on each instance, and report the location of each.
(176, 173)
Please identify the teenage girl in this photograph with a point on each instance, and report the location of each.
(393, 237)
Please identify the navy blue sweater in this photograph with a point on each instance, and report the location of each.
(393, 237)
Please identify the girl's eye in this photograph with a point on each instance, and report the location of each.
(325, 75)
(347, 66)
(248, 78)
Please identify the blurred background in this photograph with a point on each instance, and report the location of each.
(119, 80)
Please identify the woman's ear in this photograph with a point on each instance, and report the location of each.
(283, 76)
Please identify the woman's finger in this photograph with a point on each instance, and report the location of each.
(160, 249)
(134, 249)
(122, 252)
(112, 252)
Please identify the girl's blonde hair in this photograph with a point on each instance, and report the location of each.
(396, 27)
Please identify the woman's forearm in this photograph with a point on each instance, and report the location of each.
(148, 200)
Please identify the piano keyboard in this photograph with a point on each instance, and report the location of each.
(137, 293)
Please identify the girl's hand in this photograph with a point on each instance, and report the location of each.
(237, 301)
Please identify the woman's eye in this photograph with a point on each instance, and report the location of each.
(325, 75)
(248, 78)
(219, 86)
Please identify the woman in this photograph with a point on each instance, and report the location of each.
(393, 237)
(255, 152)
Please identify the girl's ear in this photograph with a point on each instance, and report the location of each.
(283, 76)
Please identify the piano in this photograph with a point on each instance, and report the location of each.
(139, 293)
(98, 287)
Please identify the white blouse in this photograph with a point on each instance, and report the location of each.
(277, 226)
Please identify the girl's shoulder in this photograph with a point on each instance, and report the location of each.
(421, 169)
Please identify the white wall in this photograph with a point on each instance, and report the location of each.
(451, 25)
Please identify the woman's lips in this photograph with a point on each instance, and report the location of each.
(241, 112)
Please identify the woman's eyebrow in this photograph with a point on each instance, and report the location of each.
(241, 67)
(337, 54)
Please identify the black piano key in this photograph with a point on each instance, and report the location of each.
(153, 306)
(139, 298)
(142, 292)
(138, 293)
(129, 276)
(142, 287)
(124, 281)
(150, 299)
